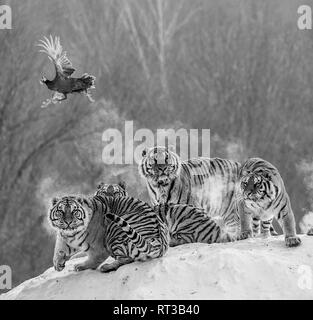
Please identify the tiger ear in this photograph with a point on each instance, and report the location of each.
(144, 152)
(266, 175)
(171, 148)
(100, 185)
(123, 185)
(84, 201)
(55, 201)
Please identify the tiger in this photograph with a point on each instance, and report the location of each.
(124, 228)
(262, 196)
(114, 190)
(104, 189)
(188, 224)
(207, 183)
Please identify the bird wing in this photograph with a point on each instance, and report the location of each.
(54, 50)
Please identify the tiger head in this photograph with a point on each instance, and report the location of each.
(160, 165)
(258, 182)
(112, 190)
(70, 214)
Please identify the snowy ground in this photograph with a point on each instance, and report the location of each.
(249, 269)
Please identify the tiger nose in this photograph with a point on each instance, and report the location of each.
(163, 180)
(250, 185)
(110, 190)
(67, 213)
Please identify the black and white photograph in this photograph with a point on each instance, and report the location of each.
(156, 150)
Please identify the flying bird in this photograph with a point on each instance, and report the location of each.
(63, 84)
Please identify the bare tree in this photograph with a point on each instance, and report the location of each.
(152, 26)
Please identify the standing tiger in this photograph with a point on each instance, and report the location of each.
(208, 183)
(200, 182)
(263, 196)
(122, 227)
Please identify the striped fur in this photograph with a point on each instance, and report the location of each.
(188, 224)
(201, 182)
(87, 236)
(131, 233)
(122, 227)
(104, 189)
(141, 217)
(144, 249)
(262, 196)
(113, 190)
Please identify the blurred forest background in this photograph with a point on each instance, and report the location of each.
(238, 67)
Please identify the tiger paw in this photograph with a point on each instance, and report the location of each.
(108, 267)
(59, 261)
(245, 235)
(80, 267)
(310, 232)
(292, 241)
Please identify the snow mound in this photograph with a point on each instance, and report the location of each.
(250, 269)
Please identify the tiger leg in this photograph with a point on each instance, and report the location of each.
(287, 222)
(93, 261)
(79, 254)
(62, 253)
(265, 228)
(273, 231)
(245, 222)
(310, 232)
(256, 226)
(108, 267)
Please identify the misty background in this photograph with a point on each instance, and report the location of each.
(240, 68)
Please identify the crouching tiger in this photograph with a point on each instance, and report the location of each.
(185, 223)
(112, 190)
(188, 224)
(122, 227)
(262, 196)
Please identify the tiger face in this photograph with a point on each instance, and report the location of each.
(160, 165)
(69, 215)
(258, 188)
(112, 190)
(252, 187)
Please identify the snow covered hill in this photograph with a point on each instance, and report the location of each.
(249, 269)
